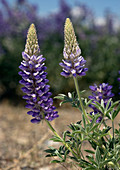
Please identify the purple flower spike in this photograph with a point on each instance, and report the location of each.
(73, 63)
(103, 91)
(34, 80)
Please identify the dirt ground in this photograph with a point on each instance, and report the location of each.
(22, 143)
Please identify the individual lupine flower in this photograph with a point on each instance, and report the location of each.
(103, 91)
(119, 80)
(34, 80)
(73, 63)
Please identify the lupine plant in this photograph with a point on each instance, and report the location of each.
(96, 110)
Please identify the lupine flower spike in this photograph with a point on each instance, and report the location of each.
(73, 63)
(34, 80)
(103, 91)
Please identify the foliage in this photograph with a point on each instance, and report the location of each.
(104, 146)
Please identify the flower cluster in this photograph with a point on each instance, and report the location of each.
(119, 81)
(103, 91)
(73, 63)
(34, 81)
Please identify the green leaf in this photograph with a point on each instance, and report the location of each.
(115, 103)
(93, 144)
(63, 102)
(98, 106)
(98, 156)
(49, 155)
(115, 113)
(112, 106)
(56, 139)
(58, 154)
(76, 131)
(90, 168)
(118, 147)
(94, 127)
(89, 102)
(92, 123)
(106, 129)
(108, 114)
(118, 159)
(55, 161)
(89, 151)
(91, 159)
(108, 104)
(105, 162)
(102, 103)
(50, 150)
(60, 96)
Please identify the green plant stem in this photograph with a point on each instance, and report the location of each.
(64, 143)
(81, 104)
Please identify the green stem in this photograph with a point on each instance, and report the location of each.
(64, 143)
(81, 104)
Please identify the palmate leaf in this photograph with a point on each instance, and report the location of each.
(72, 98)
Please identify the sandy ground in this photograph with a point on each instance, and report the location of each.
(22, 143)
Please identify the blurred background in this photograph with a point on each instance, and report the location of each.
(97, 27)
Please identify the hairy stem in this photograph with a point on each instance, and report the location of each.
(81, 104)
(64, 143)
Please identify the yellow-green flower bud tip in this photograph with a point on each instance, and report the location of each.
(71, 44)
(32, 47)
